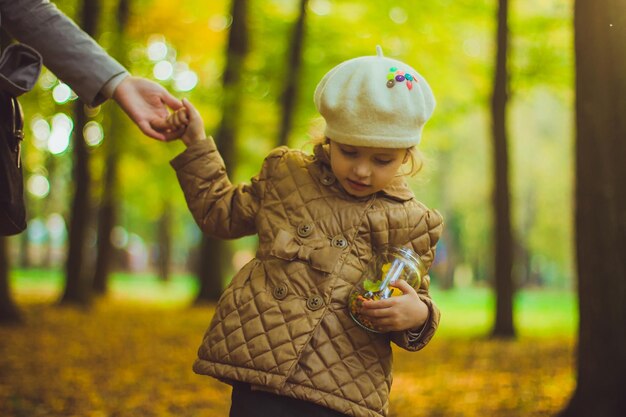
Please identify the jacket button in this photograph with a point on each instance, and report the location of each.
(305, 229)
(339, 242)
(314, 302)
(328, 179)
(280, 291)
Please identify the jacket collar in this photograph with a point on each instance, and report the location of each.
(396, 190)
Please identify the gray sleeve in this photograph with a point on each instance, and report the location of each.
(67, 51)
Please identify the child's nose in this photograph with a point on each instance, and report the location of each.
(362, 170)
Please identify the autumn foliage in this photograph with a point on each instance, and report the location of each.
(130, 359)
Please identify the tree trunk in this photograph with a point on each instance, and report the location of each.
(600, 36)
(452, 258)
(9, 313)
(78, 284)
(448, 255)
(503, 326)
(214, 253)
(107, 215)
(165, 243)
(211, 269)
(292, 76)
(49, 206)
(24, 259)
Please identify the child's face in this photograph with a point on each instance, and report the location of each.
(363, 171)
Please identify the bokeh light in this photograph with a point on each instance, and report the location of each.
(93, 133)
(56, 228)
(41, 132)
(320, 7)
(163, 70)
(59, 139)
(157, 49)
(185, 80)
(62, 93)
(218, 23)
(119, 237)
(47, 80)
(398, 15)
(38, 186)
(36, 230)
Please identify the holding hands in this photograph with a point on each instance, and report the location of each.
(404, 312)
(146, 103)
(186, 123)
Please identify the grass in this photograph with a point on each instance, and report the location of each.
(145, 288)
(537, 312)
(466, 312)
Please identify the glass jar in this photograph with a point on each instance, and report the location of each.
(388, 265)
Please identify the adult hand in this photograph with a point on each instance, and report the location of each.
(399, 313)
(146, 103)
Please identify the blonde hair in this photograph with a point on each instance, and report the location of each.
(416, 159)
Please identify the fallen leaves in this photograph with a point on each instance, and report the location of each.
(121, 359)
(465, 377)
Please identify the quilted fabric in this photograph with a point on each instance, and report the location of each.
(282, 324)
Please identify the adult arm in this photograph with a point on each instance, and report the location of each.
(65, 48)
(81, 63)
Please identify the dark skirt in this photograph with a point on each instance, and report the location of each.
(248, 403)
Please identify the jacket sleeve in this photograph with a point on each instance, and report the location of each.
(220, 208)
(424, 237)
(67, 50)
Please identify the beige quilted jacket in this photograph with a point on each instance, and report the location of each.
(283, 325)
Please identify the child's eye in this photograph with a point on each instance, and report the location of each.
(383, 161)
(347, 152)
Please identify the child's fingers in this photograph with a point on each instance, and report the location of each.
(380, 313)
(385, 325)
(178, 119)
(172, 121)
(182, 116)
(192, 112)
(173, 134)
(403, 286)
(379, 304)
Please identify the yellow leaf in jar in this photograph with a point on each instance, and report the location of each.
(396, 292)
(384, 269)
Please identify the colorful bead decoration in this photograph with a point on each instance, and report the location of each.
(397, 76)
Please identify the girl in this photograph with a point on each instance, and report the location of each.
(282, 334)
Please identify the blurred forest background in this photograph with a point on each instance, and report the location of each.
(184, 46)
(251, 68)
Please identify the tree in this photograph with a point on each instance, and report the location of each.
(600, 36)
(9, 313)
(503, 326)
(164, 242)
(77, 284)
(292, 76)
(107, 215)
(213, 252)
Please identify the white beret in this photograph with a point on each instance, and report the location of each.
(374, 101)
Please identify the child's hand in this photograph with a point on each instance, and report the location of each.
(399, 313)
(188, 120)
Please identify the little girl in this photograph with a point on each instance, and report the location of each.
(282, 334)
